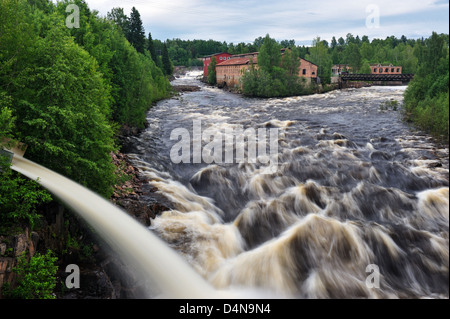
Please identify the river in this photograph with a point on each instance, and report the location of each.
(358, 206)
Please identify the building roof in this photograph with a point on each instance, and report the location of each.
(235, 56)
(237, 61)
(309, 62)
(384, 65)
(215, 54)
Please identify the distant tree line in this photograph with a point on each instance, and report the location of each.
(355, 51)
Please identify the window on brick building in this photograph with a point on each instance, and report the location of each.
(374, 70)
(392, 70)
(398, 70)
(304, 71)
(387, 70)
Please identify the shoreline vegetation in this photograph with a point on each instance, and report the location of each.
(73, 95)
(69, 94)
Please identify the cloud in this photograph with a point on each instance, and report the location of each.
(244, 20)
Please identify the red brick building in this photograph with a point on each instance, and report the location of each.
(229, 72)
(386, 69)
(308, 69)
(220, 57)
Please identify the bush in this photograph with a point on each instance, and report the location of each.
(19, 198)
(432, 114)
(36, 277)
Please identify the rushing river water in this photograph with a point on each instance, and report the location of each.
(358, 207)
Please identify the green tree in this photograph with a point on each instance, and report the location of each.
(319, 55)
(212, 76)
(37, 277)
(367, 51)
(6, 117)
(365, 69)
(118, 16)
(136, 33)
(60, 100)
(273, 80)
(269, 55)
(333, 43)
(167, 64)
(353, 57)
(290, 76)
(151, 48)
(19, 198)
(137, 83)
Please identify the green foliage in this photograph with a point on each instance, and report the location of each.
(353, 57)
(427, 96)
(269, 56)
(260, 83)
(63, 110)
(212, 79)
(136, 34)
(365, 68)
(186, 52)
(69, 89)
(319, 55)
(6, 116)
(36, 277)
(120, 19)
(167, 64)
(19, 197)
(151, 48)
(276, 75)
(137, 83)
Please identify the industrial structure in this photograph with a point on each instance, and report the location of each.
(230, 68)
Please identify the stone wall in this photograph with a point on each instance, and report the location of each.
(11, 248)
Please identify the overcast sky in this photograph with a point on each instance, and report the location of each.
(244, 20)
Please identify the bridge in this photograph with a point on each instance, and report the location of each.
(404, 78)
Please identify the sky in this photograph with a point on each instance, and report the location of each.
(236, 21)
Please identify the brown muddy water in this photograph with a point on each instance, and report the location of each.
(357, 208)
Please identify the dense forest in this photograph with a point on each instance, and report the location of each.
(67, 88)
(355, 51)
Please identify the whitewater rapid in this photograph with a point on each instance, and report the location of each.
(356, 190)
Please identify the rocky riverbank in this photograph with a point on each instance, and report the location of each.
(136, 196)
(186, 88)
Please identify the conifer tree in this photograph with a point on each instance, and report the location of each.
(167, 64)
(136, 34)
(212, 76)
(151, 48)
(120, 18)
